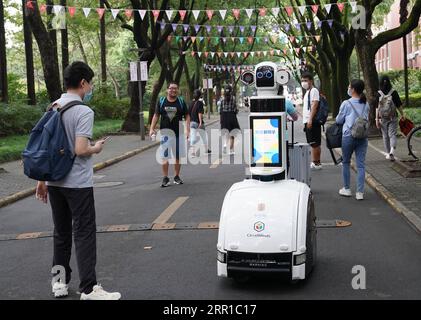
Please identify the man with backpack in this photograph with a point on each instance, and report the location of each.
(314, 117)
(72, 197)
(387, 116)
(171, 109)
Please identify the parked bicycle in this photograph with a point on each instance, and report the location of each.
(414, 143)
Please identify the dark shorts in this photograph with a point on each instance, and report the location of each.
(229, 121)
(314, 135)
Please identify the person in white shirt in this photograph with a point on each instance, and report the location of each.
(313, 131)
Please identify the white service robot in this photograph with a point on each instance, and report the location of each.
(267, 224)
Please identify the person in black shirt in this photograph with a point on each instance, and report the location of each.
(171, 109)
(227, 107)
(389, 124)
(197, 123)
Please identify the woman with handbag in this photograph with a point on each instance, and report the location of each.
(353, 115)
(197, 124)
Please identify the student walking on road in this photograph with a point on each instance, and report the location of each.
(228, 109)
(197, 123)
(171, 109)
(72, 199)
(353, 115)
(387, 116)
(312, 129)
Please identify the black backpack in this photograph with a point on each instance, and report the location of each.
(334, 139)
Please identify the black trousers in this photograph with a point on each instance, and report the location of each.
(75, 205)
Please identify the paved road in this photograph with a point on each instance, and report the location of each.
(181, 264)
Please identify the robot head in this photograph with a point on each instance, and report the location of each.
(269, 76)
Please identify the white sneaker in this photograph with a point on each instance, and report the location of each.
(316, 166)
(98, 293)
(60, 290)
(359, 196)
(232, 152)
(345, 192)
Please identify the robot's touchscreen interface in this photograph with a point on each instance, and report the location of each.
(265, 77)
(266, 141)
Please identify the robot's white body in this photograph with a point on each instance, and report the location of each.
(267, 223)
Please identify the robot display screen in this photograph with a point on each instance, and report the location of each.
(266, 141)
(265, 77)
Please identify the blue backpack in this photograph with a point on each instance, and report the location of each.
(322, 111)
(47, 156)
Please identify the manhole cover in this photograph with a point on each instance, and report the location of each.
(108, 184)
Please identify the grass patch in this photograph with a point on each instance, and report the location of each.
(414, 115)
(11, 147)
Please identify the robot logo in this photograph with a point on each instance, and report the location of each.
(259, 226)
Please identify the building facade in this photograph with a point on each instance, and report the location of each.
(390, 56)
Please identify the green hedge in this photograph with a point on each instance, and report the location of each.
(414, 100)
(414, 115)
(108, 107)
(18, 119)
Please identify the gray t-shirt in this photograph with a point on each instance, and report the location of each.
(78, 122)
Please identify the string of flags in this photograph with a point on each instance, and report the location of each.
(230, 29)
(245, 54)
(209, 13)
(240, 68)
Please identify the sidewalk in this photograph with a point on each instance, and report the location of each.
(12, 179)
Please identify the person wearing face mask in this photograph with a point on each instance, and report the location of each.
(353, 110)
(72, 199)
(313, 130)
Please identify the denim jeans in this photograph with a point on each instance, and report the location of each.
(359, 146)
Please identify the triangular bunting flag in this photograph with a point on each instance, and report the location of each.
(186, 28)
(185, 38)
(224, 40)
(309, 25)
(253, 29)
(291, 38)
(233, 39)
(297, 50)
(57, 9)
(285, 51)
(275, 11)
(236, 13)
(275, 28)
(297, 26)
(86, 11)
(320, 23)
(219, 28)
(142, 14)
(232, 54)
(249, 12)
(225, 55)
(330, 23)
(174, 27)
(266, 39)
(315, 8)
(262, 12)
(219, 54)
(317, 38)
(257, 39)
(206, 54)
(177, 38)
(223, 13)
(201, 39)
(287, 27)
(72, 11)
(100, 12)
(169, 14)
(193, 39)
(208, 28)
(43, 8)
(212, 54)
(238, 54)
(272, 52)
(278, 52)
(242, 29)
(289, 10)
(274, 38)
(128, 13)
(182, 14)
(196, 14)
(30, 5)
(302, 9)
(353, 6)
(114, 12)
(241, 40)
(245, 54)
(193, 53)
(328, 7)
(155, 14)
(169, 38)
(250, 40)
(341, 6)
(209, 13)
(196, 28)
(265, 53)
(230, 29)
(252, 54)
(199, 54)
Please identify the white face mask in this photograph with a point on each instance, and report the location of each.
(350, 92)
(305, 85)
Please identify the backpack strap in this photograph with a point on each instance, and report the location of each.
(161, 103)
(355, 110)
(69, 105)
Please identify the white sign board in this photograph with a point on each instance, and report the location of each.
(207, 84)
(133, 71)
(143, 70)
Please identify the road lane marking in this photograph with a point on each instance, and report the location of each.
(171, 209)
(216, 164)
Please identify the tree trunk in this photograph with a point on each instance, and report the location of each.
(115, 83)
(48, 53)
(3, 61)
(29, 57)
(82, 49)
(367, 58)
(64, 44)
(103, 51)
(155, 92)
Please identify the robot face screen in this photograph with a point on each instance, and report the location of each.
(265, 77)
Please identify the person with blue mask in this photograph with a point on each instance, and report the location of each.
(352, 109)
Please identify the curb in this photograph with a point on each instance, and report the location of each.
(413, 220)
(98, 166)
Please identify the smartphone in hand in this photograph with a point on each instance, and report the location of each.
(106, 138)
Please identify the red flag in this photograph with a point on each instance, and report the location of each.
(291, 38)
(341, 6)
(236, 13)
(30, 5)
(169, 38)
(182, 14)
(155, 14)
(72, 11)
(210, 14)
(128, 13)
(43, 8)
(100, 12)
(245, 54)
(285, 51)
(192, 53)
(272, 52)
(315, 8)
(206, 54)
(297, 50)
(262, 12)
(250, 40)
(289, 10)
